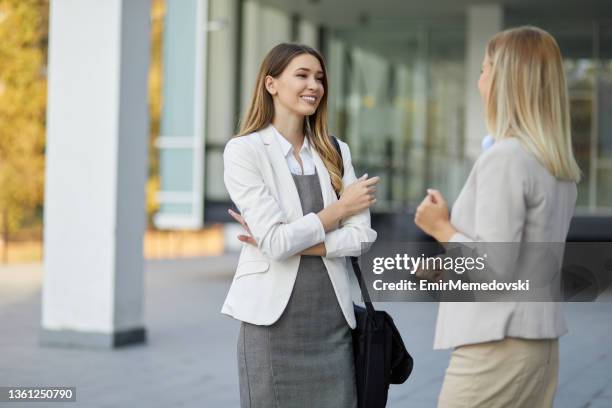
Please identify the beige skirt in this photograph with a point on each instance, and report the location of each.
(508, 373)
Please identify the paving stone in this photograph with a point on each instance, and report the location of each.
(190, 356)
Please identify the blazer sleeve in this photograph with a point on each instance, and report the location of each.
(502, 182)
(277, 238)
(501, 185)
(354, 234)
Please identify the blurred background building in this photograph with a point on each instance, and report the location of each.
(402, 93)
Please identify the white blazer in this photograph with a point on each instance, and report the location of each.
(508, 197)
(259, 182)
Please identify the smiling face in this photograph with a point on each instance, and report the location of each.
(299, 88)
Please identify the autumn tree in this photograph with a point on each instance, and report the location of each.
(23, 54)
(23, 38)
(158, 11)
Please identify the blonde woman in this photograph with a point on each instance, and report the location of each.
(522, 189)
(291, 287)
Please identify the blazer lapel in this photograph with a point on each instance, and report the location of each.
(329, 195)
(287, 190)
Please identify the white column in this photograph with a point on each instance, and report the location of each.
(97, 131)
(308, 34)
(483, 21)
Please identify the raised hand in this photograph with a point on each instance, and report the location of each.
(433, 218)
(359, 195)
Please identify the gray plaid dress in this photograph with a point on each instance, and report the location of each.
(304, 359)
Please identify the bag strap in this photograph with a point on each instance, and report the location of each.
(354, 260)
(362, 287)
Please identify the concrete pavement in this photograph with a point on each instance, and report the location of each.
(189, 359)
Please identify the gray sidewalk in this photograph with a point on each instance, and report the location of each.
(189, 360)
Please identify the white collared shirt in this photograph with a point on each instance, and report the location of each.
(305, 155)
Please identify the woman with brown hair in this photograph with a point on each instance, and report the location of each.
(291, 287)
(522, 189)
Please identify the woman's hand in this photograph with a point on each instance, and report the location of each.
(359, 195)
(248, 239)
(316, 250)
(432, 275)
(354, 199)
(432, 217)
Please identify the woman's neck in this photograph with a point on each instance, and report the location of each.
(291, 127)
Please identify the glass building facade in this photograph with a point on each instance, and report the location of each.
(400, 92)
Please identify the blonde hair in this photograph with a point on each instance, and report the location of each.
(261, 109)
(528, 97)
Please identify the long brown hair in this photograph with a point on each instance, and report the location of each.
(261, 109)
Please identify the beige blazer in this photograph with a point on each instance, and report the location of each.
(259, 182)
(508, 197)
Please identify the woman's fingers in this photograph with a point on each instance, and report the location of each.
(236, 216)
(371, 181)
(360, 195)
(435, 195)
(247, 239)
(424, 203)
(240, 220)
(366, 182)
(431, 275)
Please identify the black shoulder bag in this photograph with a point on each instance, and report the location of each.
(381, 358)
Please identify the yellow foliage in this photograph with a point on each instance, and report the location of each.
(158, 12)
(23, 54)
(23, 34)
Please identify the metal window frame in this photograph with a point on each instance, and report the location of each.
(195, 142)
